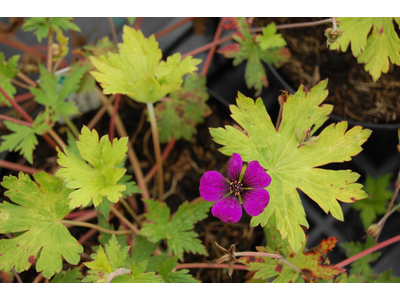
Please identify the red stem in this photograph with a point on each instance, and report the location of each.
(368, 251)
(91, 215)
(12, 42)
(164, 156)
(211, 53)
(16, 167)
(16, 106)
(20, 98)
(77, 213)
(87, 236)
(207, 46)
(111, 132)
(209, 266)
(139, 21)
(171, 28)
(7, 118)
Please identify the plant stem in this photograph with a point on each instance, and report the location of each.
(38, 278)
(71, 126)
(382, 222)
(209, 266)
(27, 79)
(90, 225)
(15, 43)
(211, 53)
(16, 275)
(27, 117)
(114, 35)
(116, 273)
(57, 64)
(17, 121)
(130, 210)
(131, 153)
(123, 219)
(157, 150)
(20, 84)
(275, 256)
(57, 138)
(50, 50)
(138, 22)
(295, 25)
(16, 167)
(80, 213)
(111, 131)
(101, 112)
(368, 251)
(171, 28)
(164, 156)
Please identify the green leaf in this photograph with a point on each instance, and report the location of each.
(50, 95)
(361, 266)
(41, 207)
(178, 115)
(138, 275)
(8, 70)
(165, 272)
(310, 262)
(376, 204)
(375, 48)
(41, 25)
(23, 137)
(178, 231)
(292, 167)
(137, 71)
(105, 263)
(267, 47)
(69, 276)
(386, 277)
(270, 39)
(99, 179)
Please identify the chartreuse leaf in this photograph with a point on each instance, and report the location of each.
(138, 71)
(267, 47)
(376, 204)
(8, 69)
(105, 263)
(177, 230)
(311, 262)
(69, 276)
(41, 25)
(23, 138)
(40, 208)
(52, 97)
(373, 48)
(99, 178)
(292, 167)
(178, 116)
(181, 276)
(361, 266)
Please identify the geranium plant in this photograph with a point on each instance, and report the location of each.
(95, 182)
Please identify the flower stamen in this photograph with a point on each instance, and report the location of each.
(236, 187)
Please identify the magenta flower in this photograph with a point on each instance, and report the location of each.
(228, 191)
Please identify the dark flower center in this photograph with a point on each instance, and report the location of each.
(236, 187)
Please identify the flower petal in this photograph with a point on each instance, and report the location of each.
(255, 176)
(228, 209)
(255, 201)
(235, 166)
(213, 186)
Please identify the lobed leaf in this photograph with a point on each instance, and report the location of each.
(138, 275)
(41, 25)
(177, 231)
(373, 48)
(40, 208)
(179, 114)
(379, 195)
(100, 178)
(165, 272)
(292, 167)
(137, 70)
(8, 70)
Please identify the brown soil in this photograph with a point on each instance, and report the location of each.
(351, 89)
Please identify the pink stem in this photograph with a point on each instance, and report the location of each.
(211, 53)
(112, 121)
(16, 167)
(368, 251)
(209, 266)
